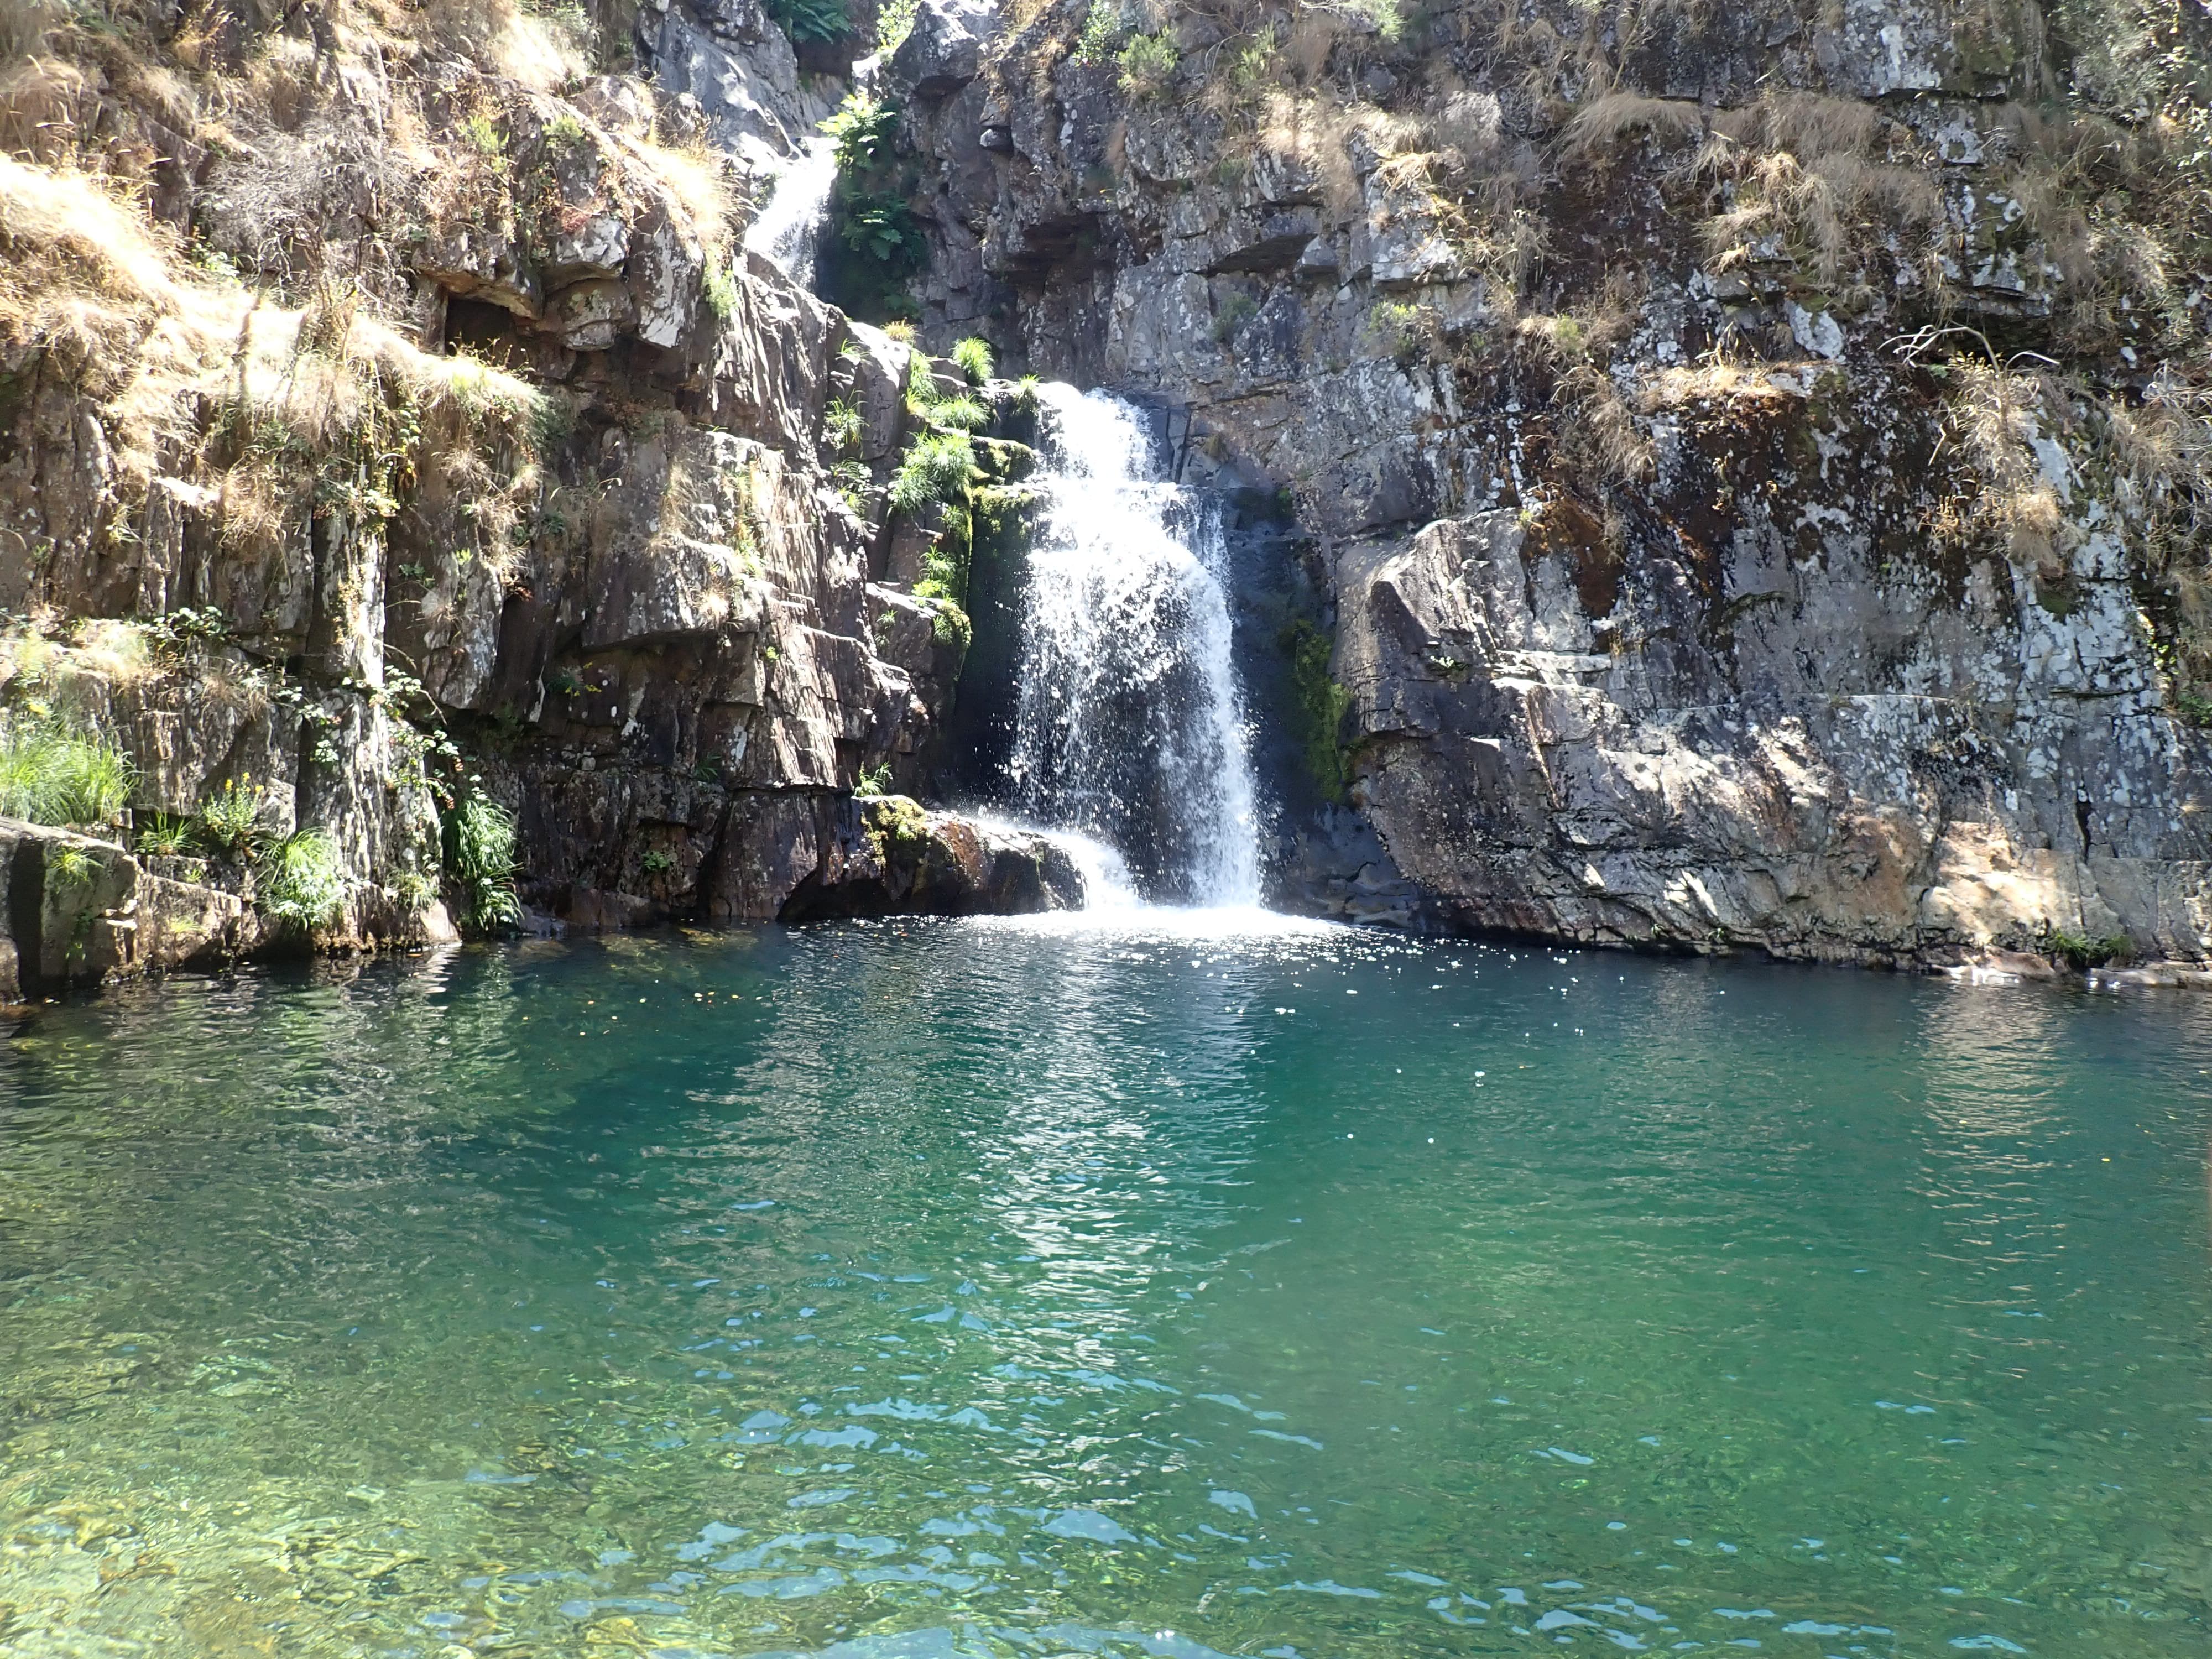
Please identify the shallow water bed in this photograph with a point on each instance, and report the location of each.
(1161, 1287)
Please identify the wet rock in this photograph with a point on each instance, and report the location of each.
(888, 855)
(79, 910)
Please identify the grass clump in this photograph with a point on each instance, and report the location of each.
(233, 824)
(480, 863)
(51, 773)
(164, 835)
(301, 882)
(937, 466)
(973, 357)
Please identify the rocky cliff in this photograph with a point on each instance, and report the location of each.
(1751, 463)
(1708, 478)
(390, 419)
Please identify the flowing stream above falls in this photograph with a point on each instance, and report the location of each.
(789, 228)
(1129, 723)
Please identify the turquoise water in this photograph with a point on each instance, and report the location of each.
(949, 1288)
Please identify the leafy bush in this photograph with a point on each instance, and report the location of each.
(1148, 65)
(893, 24)
(301, 882)
(811, 20)
(657, 863)
(233, 824)
(974, 357)
(874, 780)
(884, 228)
(481, 865)
(1102, 32)
(862, 131)
(51, 775)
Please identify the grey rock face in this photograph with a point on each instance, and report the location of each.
(1537, 772)
(647, 622)
(1673, 604)
(78, 910)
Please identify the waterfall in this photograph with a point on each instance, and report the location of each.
(1129, 725)
(786, 231)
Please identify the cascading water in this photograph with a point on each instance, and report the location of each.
(790, 223)
(1129, 725)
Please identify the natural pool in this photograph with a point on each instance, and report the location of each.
(991, 1288)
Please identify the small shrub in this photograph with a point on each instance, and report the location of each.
(862, 131)
(949, 624)
(1235, 312)
(720, 286)
(875, 780)
(301, 882)
(412, 890)
(49, 773)
(893, 24)
(233, 824)
(1102, 35)
(657, 863)
(1148, 65)
(974, 357)
(481, 129)
(1396, 331)
(481, 864)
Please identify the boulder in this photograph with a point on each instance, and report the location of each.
(891, 856)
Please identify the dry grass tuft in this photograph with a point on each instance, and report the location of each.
(1998, 413)
(1599, 125)
(1802, 183)
(701, 183)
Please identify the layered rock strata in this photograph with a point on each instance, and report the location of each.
(1752, 467)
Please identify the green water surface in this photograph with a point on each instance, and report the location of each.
(937, 1289)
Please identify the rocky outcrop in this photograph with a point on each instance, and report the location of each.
(890, 856)
(1537, 771)
(1706, 564)
(557, 526)
(80, 910)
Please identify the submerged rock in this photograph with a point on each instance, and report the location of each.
(892, 856)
